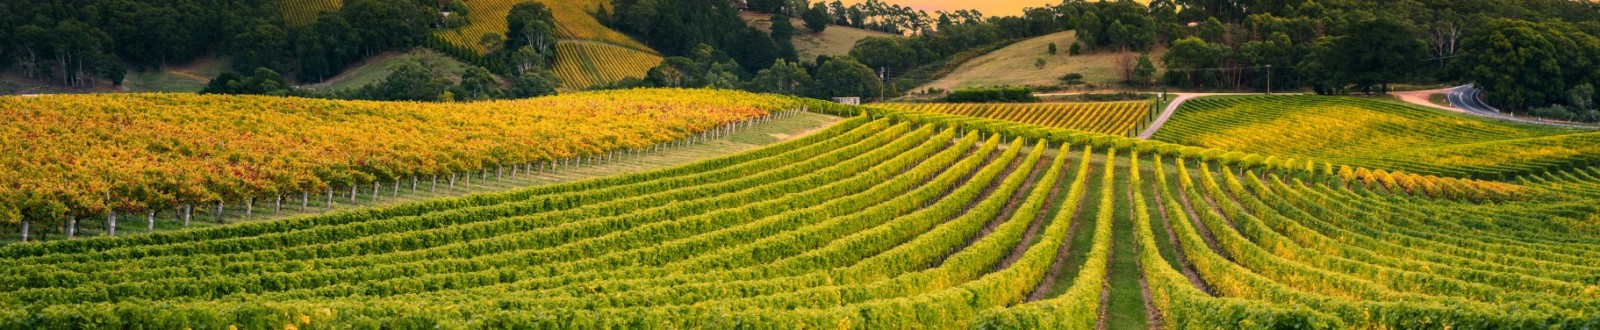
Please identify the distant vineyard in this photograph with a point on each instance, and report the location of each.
(1115, 118)
(583, 64)
(573, 21)
(1379, 135)
(304, 12)
(887, 221)
(86, 155)
(589, 54)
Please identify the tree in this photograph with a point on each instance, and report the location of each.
(783, 77)
(1052, 49)
(534, 84)
(1186, 60)
(528, 59)
(675, 72)
(1071, 80)
(1144, 71)
(476, 84)
(766, 6)
(260, 46)
(1522, 65)
(782, 29)
(1038, 63)
(890, 52)
(1384, 50)
(817, 18)
(388, 24)
(783, 37)
(753, 50)
(843, 76)
(531, 24)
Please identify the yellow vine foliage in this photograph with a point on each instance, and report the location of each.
(87, 154)
(1114, 118)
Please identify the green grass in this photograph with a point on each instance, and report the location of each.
(1126, 308)
(378, 67)
(834, 41)
(1014, 65)
(760, 135)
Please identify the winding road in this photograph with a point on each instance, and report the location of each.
(1468, 99)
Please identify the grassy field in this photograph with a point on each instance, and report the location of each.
(1014, 65)
(764, 134)
(833, 41)
(378, 67)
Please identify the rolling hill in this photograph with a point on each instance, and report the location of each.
(589, 53)
(1014, 65)
(834, 41)
(890, 219)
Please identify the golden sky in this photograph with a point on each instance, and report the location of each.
(988, 7)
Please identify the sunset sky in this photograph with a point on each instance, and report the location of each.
(988, 7)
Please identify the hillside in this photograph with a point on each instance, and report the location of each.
(869, 224)
(834, 41)
(1113, 118)
(589, 52)
(378, 67)
(1378, 134)
(1014, 65)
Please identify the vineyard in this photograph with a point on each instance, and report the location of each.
(597, 63)
(1115, 118)
(1379, 135)
(890, 219)
(304, 12)
(574, 20)
(76, 157)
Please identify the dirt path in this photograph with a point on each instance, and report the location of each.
(1172, 107)
(1177, 252)
(1033, 227)
(1421, 98)
(1194, 217)
(1060, 262)
(1151, 315)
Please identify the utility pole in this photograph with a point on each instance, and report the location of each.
(883, 75)
(1269, 79)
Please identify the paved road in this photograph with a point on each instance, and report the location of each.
(1469, 99)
